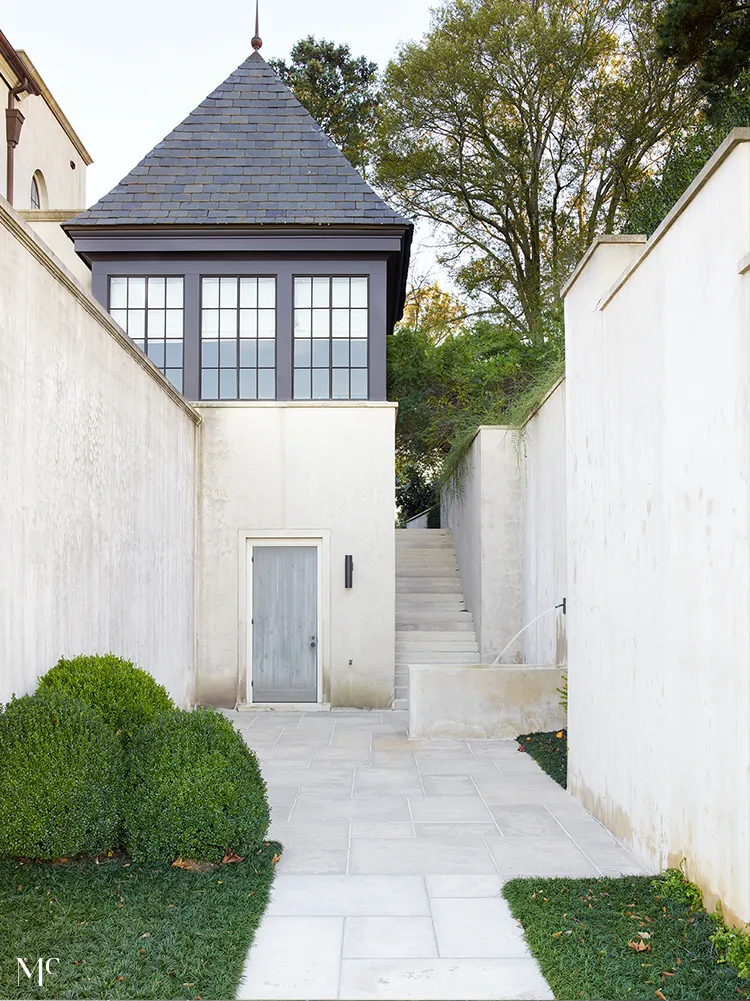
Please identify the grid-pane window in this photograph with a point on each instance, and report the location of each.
(151, 312)
(238, 339)
(331, 322)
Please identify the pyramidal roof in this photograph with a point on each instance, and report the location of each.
(249, 154)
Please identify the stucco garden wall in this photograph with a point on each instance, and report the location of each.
(506, 512)
(658, 416)
(97, 493)
(324, 470)
(543, 483)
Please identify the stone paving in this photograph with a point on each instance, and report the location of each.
(395, 852)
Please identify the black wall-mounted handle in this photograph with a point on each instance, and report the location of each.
(348, 571)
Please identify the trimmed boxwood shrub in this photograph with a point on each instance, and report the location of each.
(127, 697)
(61, 772)
(193, 790)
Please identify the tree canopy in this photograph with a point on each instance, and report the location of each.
(687, 157)
(521, 127)
(713, 35)
(339, 90)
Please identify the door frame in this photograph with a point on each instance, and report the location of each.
(248, 540)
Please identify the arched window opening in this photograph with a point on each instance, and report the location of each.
(38, 193)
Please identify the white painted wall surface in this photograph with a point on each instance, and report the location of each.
(659, 536)
(97, 496)
(544, 531)
(483, 510)
(54, 236)
(301, 467)
(44, 146)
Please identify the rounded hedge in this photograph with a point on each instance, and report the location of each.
(61, 778)
(127, 697)
(193, 790)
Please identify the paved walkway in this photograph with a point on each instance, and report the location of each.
(395, 854)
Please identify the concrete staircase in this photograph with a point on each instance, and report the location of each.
(433, 625)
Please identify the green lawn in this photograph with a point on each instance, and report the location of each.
(131, 931)
(550, 752)
(580, 930)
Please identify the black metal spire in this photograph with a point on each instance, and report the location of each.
(257, 40)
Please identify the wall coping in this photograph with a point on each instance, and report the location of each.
(603, 238)
(295, 405)
(26, 236)
(735, 138)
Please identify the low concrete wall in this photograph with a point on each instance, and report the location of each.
(506, 512)
(97, 493)
(322, 469)
(544, 531)
(482, 702)
(483, 510)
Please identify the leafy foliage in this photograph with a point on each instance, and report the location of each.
(713, 35)
(519, 127)
(690, 153)
(550, 751)
(127, 697)
(620, 938)
(674, 883)
(446, 387)
(732, 944)
(123, 930)
(339, 90)
(415, 492)
(193, 789)
(61, 778)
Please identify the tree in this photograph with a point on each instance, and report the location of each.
(687, 158)
(339, 90)
(520, 126)
(713, 35)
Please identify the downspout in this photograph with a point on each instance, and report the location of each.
(13, 122)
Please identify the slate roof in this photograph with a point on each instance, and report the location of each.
(251, 154)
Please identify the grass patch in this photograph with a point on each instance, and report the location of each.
(131, 931)
(620, 938)
(550, 751)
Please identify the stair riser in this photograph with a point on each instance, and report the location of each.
(430, 625)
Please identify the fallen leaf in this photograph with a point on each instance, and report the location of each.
(142, 951)
(121, 978)
(638, 945)
(659, 995)
(556, 934)
(521, 748)
(560, 734)
(146, 934)
(644, 934)
(275, 859)
(19, 888)
(667, 974)
(231, 857)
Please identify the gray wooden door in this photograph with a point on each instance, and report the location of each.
(284, 665)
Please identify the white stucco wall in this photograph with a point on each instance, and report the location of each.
(483, 508)
(97, 496)
(658, 428)
(544, 531)
(45, 146)
(325, 469)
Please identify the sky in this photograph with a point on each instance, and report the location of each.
(126, 74)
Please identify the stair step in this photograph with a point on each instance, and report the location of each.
(447, 573)
(427, 636)
(437, 657)
(417, 586)
(408, 649)
(426, 624)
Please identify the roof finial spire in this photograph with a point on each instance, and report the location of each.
(257, 40)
